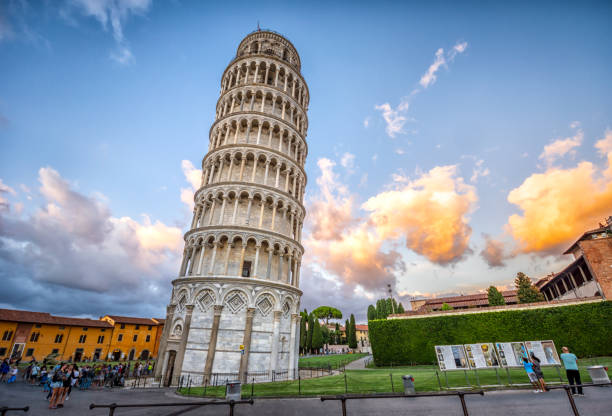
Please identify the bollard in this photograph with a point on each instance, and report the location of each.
(408, 381)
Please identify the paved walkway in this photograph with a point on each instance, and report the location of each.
(598, 401)
(359, 364)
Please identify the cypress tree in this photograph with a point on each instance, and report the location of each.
(495, 297)
(371, 313)
(352, 339)
(346, 332)
(400, 308)
(317, 336)
(311, 326)
(303, 334)
(338, 339)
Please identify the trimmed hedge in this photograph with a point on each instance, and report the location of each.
(586, 329)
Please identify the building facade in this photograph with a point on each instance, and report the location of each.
(234, 306)
(590, 274)
(37, 335)
(476, 300)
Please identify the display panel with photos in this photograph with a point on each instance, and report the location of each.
(545, 351)
(481, 355)
(510, 353)
(451, 357)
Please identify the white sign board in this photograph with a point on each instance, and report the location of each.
(481, 355)
(451, 357)
(510, 353)
(545, 351)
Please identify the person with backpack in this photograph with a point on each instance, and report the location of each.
(528, 365)
(538, 372)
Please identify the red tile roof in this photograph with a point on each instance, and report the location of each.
(361, 327)
(46, 318)
(478, 299)
(131, 320)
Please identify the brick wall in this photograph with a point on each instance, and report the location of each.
(598, 254)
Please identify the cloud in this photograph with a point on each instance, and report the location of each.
(494, 252)
(194, 177)
(113, 13)
(5, 189)
(394, 118)
(558, 205)
(604, 146)
(348, 162)
(479, 171)
(429, 77)
(431, 212)
(560, 147)
(366, 122)
(74, 245)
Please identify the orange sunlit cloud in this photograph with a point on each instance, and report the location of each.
(560, 204)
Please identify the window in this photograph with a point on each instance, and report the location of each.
(38, 326)
(85, 329)
(34, 336)
(55, 351)
(148, 338)
(7, 335)
(100, 339)
(122, 326)
(2, 352)
(120, 337)
(58, 338)
(103, 330)
(135, 338)
(246, 269)
(150, 327)
(137, 326)
(62, 327)
(30, 352)
(82, 339)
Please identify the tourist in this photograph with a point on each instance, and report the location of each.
(4, 370)
(570, 362)
(34, 373)
(528, 365)
(538, 372)
(13, 376)
(56, 389)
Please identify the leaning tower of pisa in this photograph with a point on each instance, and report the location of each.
(234, 306)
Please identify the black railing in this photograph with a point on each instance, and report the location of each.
(4, 410)
(344, 397)
(231, 403)
(568, 389)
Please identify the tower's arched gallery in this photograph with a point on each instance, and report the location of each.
(234, 307)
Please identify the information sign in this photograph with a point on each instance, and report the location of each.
(545, 351)
(451, 357)
(510, 353)
(481, 355)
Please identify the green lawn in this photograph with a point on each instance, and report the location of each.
(333, 360)
(379, 381)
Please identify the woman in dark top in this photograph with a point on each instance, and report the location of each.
(538, 371)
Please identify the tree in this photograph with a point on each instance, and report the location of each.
(311, 325)
(338, 334)
(526, 291)
(352, 337)
(446, 307)
(400, 308)
(317, 336)
(346, 332)
(326, 335)
(303, 334)
(326, 312)
(371, 313)
(495, 297)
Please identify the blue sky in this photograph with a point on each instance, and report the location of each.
(101, 102)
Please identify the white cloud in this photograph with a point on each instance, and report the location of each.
(113, 13)
(394, 118)
(366, 122)
(194, 177)
(348, 162)
(5, 189)
(429, 77)
(604, 146)
(560, 147)
(479, 171)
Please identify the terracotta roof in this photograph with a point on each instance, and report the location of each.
(361, 327)
(160, 320)
(46, 318)
(131, 320)
(478, 299)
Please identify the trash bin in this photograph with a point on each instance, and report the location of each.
(233, 390)
(408, 384)
(599, 374)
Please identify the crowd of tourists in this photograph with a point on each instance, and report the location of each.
(58, 380)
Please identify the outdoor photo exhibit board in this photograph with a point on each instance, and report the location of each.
(451, 357)
(510, 353)
(545, 351)
(481, 355)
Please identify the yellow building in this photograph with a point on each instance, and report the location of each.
(133, 338)
(36, 335)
